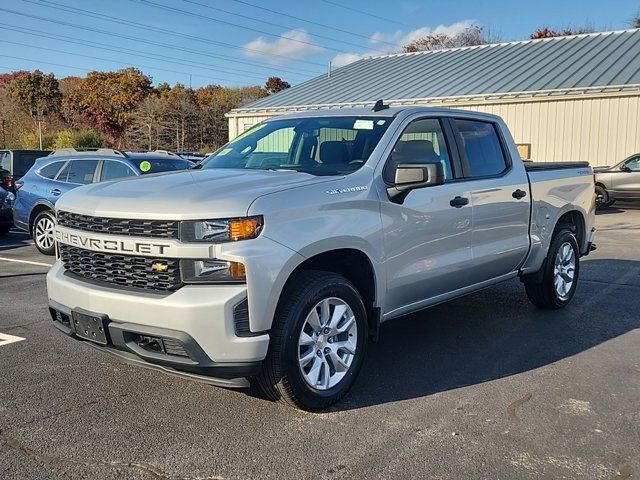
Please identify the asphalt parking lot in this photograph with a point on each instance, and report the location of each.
(483, 387)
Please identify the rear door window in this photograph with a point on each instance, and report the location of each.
(112, 170)
(51, 170)
(481, 144)
(81, 172)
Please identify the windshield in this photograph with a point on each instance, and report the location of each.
(320, 146)
(156, 165)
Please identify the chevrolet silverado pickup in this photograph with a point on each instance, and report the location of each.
(275, 261)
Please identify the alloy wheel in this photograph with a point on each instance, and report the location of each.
(564, 270)
(327, 343)
(43, 232)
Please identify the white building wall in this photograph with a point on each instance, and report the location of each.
(600, 129)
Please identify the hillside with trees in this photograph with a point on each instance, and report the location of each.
(121, 109)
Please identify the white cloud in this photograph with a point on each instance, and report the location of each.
(400, 38)
(292, 46)
(343, 59)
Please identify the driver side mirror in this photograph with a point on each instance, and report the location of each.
(624, 168)
(410, 176)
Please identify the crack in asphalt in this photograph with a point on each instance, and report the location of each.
(610, 283)
(513, 406)
(52, 460)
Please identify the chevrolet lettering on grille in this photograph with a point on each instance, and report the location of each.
(110, 245)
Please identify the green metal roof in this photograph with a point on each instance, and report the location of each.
(604, 61)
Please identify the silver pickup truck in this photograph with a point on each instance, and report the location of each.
(276, 261)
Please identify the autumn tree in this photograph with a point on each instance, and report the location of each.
(7, 78)
(38, 94)
(107, 99)
(148, 125)
(70, 117)
(275, 85)
(546, 32)
(180, 110)
(470, 36)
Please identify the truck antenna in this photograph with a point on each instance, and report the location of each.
(380, 105)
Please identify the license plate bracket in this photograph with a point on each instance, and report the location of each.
(90, 326)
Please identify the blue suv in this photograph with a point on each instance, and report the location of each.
(68, 168)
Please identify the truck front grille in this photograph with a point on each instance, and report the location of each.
(120, 226)
(124, 270)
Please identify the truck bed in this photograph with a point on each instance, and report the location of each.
(536, 166)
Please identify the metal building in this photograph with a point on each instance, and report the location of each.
(565, 98)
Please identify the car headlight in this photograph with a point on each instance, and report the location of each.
(212, 270)
(9, 200)
(219, 231)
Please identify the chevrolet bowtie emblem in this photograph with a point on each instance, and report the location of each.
(159, 267)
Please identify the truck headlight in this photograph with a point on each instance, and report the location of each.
(219, 231)
(212, 270)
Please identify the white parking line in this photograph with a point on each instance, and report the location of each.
(26, 261)
(7, 339)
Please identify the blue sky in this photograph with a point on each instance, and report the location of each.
(235, 42)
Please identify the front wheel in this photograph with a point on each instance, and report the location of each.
(317, 342)
(43, 231)
(560, 273)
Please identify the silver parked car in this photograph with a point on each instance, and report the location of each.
(620, 182)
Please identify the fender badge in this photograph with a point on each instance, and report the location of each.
(336, 191)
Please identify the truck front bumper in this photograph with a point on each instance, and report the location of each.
(190, 331)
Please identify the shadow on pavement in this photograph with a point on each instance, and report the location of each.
(490, 335)
(618, 207)
(15, 239)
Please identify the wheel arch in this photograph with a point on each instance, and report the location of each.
(37, 208)
(353, 264)
(575, 221)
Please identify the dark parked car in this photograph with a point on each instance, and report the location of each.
(620, 182)
(15, 163)
(195, 157)
(68, 168)
(6, 211)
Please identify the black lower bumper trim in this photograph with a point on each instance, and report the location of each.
(194, 363)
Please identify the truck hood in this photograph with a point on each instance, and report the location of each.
(188, 195)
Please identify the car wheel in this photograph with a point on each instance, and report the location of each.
(317, 343)
(4, 231)
(43, 231)
(603, 199)
(560, 273)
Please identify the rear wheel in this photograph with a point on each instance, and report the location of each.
(43, 231)
(603, 199)
(556, 287)
(4, 230)
(317, 342)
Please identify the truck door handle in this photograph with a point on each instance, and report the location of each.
(518, 194)
(55, 191)
(459, 202)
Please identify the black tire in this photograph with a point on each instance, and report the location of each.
(4, 230)
(603, 199)
(46, 248)
(542, 292)
(281, 377)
